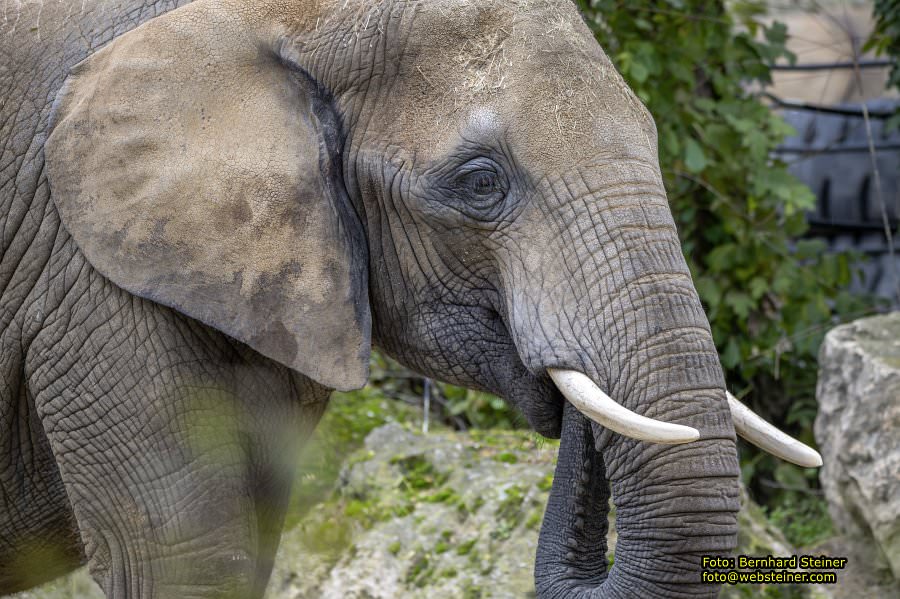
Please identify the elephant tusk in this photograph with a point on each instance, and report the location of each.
(591, 401)
(768, 438)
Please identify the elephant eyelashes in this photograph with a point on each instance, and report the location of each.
(483, 183)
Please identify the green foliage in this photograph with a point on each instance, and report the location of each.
(466, 547)
(453, 406)
(885, 41)
(795, 506)
(885, 38)
(477, 408)
(769, 298)
(419, 473)
(803, 518)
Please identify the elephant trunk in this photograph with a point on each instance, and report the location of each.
(661, 540)
(571, 556)
(633, 324)
(675, 502)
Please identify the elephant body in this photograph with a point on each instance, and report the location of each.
(95, 382)
(212, 210)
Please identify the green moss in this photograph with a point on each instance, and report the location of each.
(466, 548)
(394, 548)
(417, 568)
(507, 457)
(487, 566)
(404, 509)
(441, 546)
(474, 557)
(472, 591)
(534, 520)
(509, 512)
(546, 483)
(418, 472)
(421, 571)
(481, 563)
(367, 512)
(356, 508)
(488, 437)
(443, 496)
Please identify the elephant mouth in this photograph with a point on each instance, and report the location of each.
(587, 397)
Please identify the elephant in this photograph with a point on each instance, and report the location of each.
(212, 211)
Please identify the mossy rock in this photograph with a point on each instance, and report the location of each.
(444, 516)
(470, 510)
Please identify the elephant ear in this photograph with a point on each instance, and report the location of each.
(195, 167)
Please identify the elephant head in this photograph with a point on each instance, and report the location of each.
(470, 186)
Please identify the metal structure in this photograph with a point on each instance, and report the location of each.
(838, 156)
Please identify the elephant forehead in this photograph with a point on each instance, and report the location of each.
(531, 70)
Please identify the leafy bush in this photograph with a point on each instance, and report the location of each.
(885, 40)
(802, 517)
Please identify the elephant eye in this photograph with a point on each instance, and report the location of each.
(479, 189)
(482, 183)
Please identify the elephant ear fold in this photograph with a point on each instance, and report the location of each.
(195, 167)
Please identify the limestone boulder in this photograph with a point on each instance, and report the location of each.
(858, 431)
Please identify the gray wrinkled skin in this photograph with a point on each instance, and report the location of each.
(208, 223)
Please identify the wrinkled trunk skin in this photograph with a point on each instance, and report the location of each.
(674, 503)
(626, 314)
(659, 547)
(571, 557)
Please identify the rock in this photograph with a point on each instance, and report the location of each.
(438, 515)
(858, 431)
